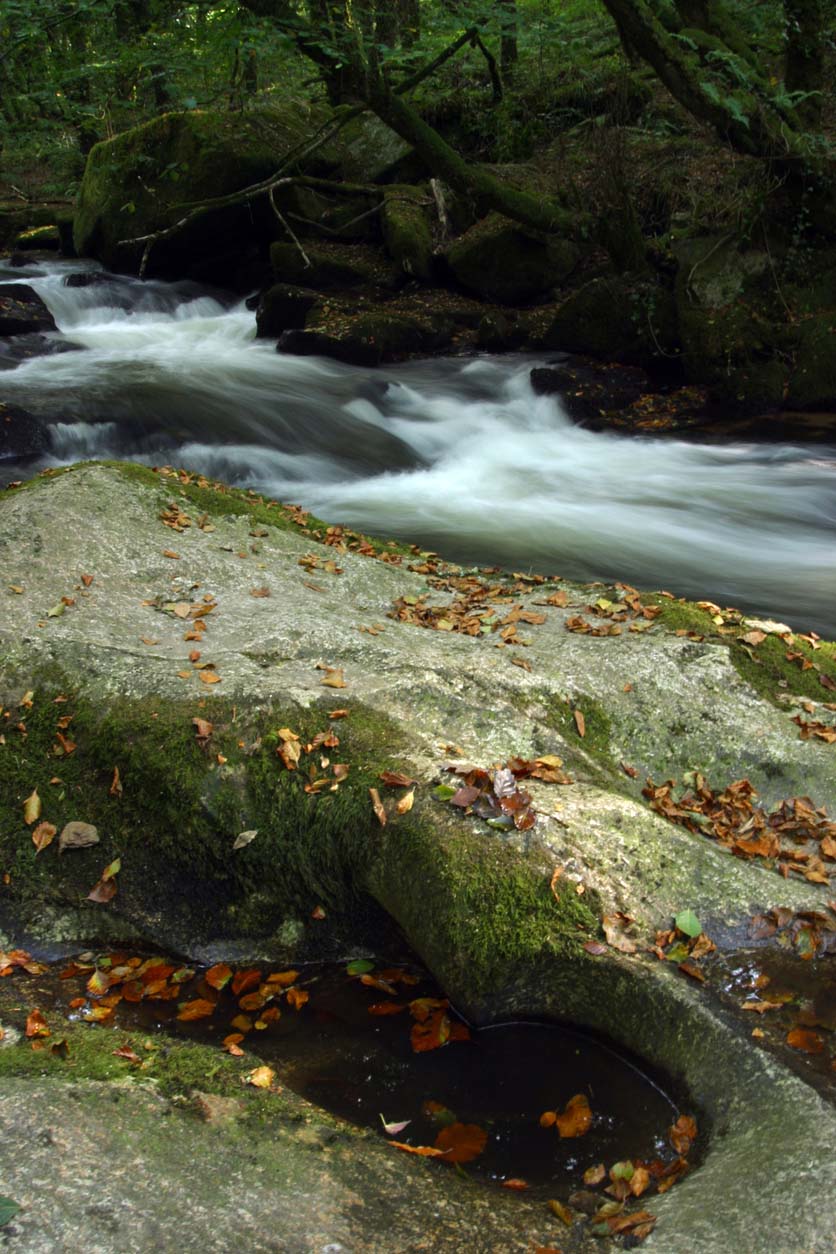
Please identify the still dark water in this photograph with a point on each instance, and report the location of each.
(456, 454)
(361, 1065)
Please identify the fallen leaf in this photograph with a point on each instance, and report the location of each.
(519, 1186)
(297, 997)
(32, 808)
(36, 1025)
(125, 1051)
(425, 1151)
(595, 1175)
(244, 838)
(393, 779)
(218, 976)
(208, 677)
(682, 1133)
(406, 802)
(564, 1214)
(392, 1129)
(461, 1142)
(615, 927)
(576, 1119)
(377, 806)
(116, 788)
(43, 835)
(806, 1040)
(260, 1077)
(200, 1008)
(335, 678)
(580, 722)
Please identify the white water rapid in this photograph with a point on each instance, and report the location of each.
(456, 454)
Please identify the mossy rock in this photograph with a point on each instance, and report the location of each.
(367, 337)
(332, 267)
(616, 317)
(813, 381)
(22, 310)
(370, 152)
(17, 218)
(283, 307)
(47, 237)
(501, 261)
(406, 231)
(143, 180)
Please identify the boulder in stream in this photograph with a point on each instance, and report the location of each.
(191, 633)
(22, 310)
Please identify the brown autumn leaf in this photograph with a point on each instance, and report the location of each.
(461, 1142)
(753, 637)
(393, 779)
(563, 1212)
(377, 806)
(260, 592)
(36, 1025)
(202, 728)
(338, 713)
(432, 1033)
(290, 751)
(548, 1119)
(806, 1040)
(682, 1133)
(104, 891)
(335, 678)
(596, 948)
(595, 1175)
(580, 722)
(615, 927)
(691, 968)
(515, 1183)
(200, 1008)
(32, 808)
(282, 978)
(208, 677)
(576, 1119)
(116, 788)
(87, 580)
(425, 1151)
(43, 835)
(125, 1051)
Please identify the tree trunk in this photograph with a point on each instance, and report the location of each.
(508, 40)
(804, 66)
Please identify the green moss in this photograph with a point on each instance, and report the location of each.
(476, 907)
(406, 231)
(174, 825)
(764, 667)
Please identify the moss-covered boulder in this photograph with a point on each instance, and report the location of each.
(16, 218)
(21, 434)
(500, 261)
(282, 307)
(621, 317)
(406, 231)
(145, 178)
(333, 266)
(367, 337)
(370, 152)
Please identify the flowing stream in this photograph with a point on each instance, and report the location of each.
(456, 454)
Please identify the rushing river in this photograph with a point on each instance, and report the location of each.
(456, 454)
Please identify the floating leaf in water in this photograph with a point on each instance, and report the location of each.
(218, 976)
(200, 1008)
(682, 1133)
(515, 1183)
(461, 1142)
(297, 997)
(359, 966)
(392, 1129)
(576, 1119)
(807, 1040)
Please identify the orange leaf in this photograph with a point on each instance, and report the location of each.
(43, 835)
(576, 1119)
(296, 997)
(253, 1001)
(31, 808)
(208, 677)
(244, 981)
(197, 1009)
(283, 978)
(36, 1024)
(580, 722)
(377, 806)
(426, 1151)
(464, 1141)
(548, 1119)
(218, 976)
(242, 1023)
(517, 1185)
(805, 1039)
(431, 1034)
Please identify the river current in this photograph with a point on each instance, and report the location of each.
(457, 454)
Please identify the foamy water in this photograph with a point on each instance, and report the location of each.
(458, 455)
